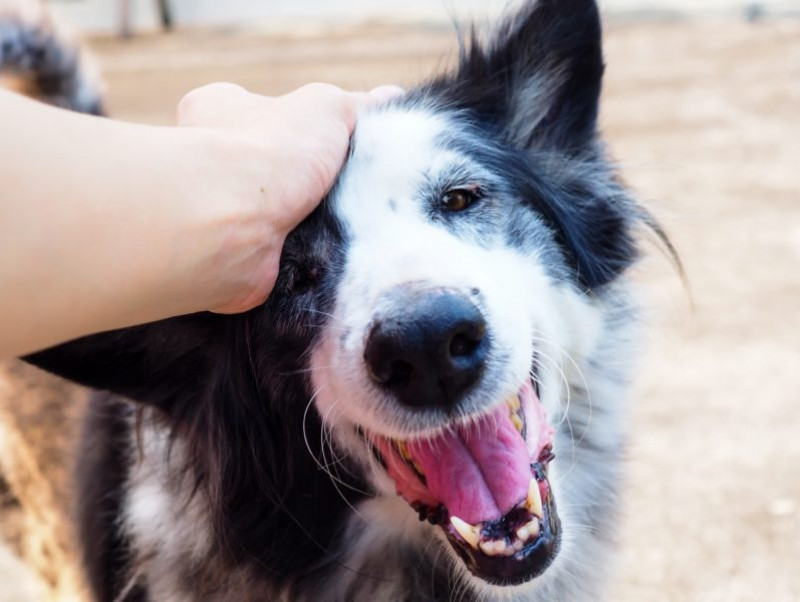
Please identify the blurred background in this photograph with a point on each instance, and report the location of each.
(702, 112)
(104, 15)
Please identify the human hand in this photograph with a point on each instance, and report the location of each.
(146, 223)
(274, 160)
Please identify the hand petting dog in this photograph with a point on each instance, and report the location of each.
(136, 223)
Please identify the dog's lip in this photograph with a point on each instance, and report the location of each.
(505, 549)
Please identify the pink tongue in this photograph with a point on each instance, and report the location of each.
(478, 472)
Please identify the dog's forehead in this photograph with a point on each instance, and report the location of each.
(394, 151)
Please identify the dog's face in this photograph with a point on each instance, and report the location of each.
(424, 326)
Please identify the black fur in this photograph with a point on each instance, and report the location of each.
(35, 51)
(235, 388)
(553, 46)
(101, 475)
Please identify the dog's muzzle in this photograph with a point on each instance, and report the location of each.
(483, 478)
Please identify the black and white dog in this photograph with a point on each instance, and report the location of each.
(443, 362)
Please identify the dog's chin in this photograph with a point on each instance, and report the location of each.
(485, 485)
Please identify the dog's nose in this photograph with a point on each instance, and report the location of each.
(429, 349)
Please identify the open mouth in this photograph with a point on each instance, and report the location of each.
(485, 484)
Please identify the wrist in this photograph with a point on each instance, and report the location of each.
(228, 247)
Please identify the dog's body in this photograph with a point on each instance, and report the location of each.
(471, 256)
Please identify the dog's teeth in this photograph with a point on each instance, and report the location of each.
(499, 547)
(513, 403)
(528, 531)
(517, 422)
(534, 501)
(470, 533)
(496, 547)
(403, 449)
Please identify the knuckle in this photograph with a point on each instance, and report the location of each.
(194, 102)
(187, 106)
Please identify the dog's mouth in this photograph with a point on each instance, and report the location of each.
(485, 484)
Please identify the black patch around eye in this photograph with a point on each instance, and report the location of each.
(459, 199)
(302, 279)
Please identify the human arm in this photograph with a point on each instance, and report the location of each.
(105, 224)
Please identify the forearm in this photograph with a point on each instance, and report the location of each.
(106, 224)
(97, 227)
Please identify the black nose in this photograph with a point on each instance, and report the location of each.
(429, 349)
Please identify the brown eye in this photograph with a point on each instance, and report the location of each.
(459, 199)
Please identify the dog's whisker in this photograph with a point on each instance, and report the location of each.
(335, 479)
(317, 311)
(584, 382)
(308, 370)
(543, 355)
(328, 467)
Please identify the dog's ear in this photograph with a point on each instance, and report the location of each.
(155, 363)
(538, 77)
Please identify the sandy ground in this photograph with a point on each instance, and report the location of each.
(704, 119)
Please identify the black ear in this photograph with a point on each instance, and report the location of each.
(155, 363)
(538, 77)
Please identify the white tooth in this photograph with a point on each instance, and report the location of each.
(494, 548)
(513, 403)
(529, 530)
(534, 501)
(470, 533)
(533, 528)
(403, 449)
(517, 422)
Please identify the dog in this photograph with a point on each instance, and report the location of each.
(39, 59)
(431, 403)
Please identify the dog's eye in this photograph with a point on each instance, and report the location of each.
(459, 199)
(302, 279)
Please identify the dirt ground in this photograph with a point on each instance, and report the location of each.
(704, 119)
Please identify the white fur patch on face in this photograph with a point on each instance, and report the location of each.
(395, 240)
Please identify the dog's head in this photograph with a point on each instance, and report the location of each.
(423, 319)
